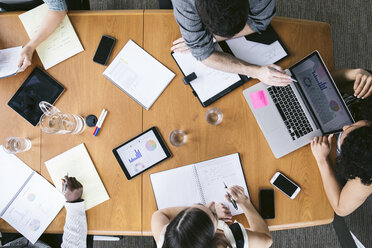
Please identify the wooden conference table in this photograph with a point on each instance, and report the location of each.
(131, 204)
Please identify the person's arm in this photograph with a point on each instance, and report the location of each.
(75, 229)
(343, 200)
(49, 24)
(354, 81)
(258, 233)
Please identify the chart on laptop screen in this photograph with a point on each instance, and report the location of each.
(321, 94)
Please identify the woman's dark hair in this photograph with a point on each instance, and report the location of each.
(223, 17)
(362, 110)
(355, 159)
(192, 228)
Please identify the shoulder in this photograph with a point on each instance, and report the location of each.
(57, 5)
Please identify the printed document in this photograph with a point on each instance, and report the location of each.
(138, 74)
(77, 163)
(60, 45)
(9, 59)
(29, 203)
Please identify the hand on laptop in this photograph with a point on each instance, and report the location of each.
(272, 75)
(363, 84)
(321, 147)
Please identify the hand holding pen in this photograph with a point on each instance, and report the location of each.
(237, 194)
(72, 189)
(230, 198)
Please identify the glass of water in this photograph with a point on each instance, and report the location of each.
(214, 116)
(16, 144)
(177, 138)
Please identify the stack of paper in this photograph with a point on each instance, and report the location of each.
(138, 74)
(77, 163)
(9, 59)
(60, 45)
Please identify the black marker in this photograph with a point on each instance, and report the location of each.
(231, 199)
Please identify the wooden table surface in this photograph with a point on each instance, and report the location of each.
(131, 204)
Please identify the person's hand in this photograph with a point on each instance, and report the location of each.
(272, 75)
(179, 46)
(26, 58)
(74, 189)
(321, 147)
(223, 212)
(363, 84)
(238, 194)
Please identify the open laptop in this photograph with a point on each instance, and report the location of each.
(291, 116)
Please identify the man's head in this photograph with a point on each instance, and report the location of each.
(223, 17)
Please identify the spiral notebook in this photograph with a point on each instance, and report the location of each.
(28, 202)
(201, 182)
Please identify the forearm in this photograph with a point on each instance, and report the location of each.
(330, 184)
(225, 62)
(256, 223)
(75, 229)
(50, 23)
(344, 79)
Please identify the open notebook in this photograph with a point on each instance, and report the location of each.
(62, 44)
(28, 202)
(138, 74)
(199, 183)
(77, 163)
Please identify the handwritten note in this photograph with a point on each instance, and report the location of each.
(62, 44)
(76, 163)
(256, 53)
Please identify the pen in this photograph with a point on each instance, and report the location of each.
(231, 199)
(64, 185)
(100, 122)
(293, 80)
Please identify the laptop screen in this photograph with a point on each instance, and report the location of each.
(321, 94)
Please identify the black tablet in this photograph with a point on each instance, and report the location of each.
(141, 153)
(39, 86)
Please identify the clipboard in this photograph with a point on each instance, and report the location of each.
(266, 38)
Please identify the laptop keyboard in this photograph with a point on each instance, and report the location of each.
(290, 109)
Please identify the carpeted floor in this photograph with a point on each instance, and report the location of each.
(351, 23)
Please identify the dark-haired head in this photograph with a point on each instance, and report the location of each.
(362, 110)
(223, 17)
(193, 228)
(355, 159)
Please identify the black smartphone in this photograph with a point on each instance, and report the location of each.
(267, 208)
(104, 50)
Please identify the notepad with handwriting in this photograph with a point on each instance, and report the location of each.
(201, 182)
(28, 202)
(62, 44)
(138, 74)
(77, 163)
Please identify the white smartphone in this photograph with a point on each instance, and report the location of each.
(285, 185)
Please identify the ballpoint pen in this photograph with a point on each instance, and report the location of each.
(64, 185)
(231, 199)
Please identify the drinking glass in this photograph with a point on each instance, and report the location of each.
(177, 138)
(16, 144)
(53, 121)
(214, 116)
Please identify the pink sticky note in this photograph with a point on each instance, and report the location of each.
(259, 99)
